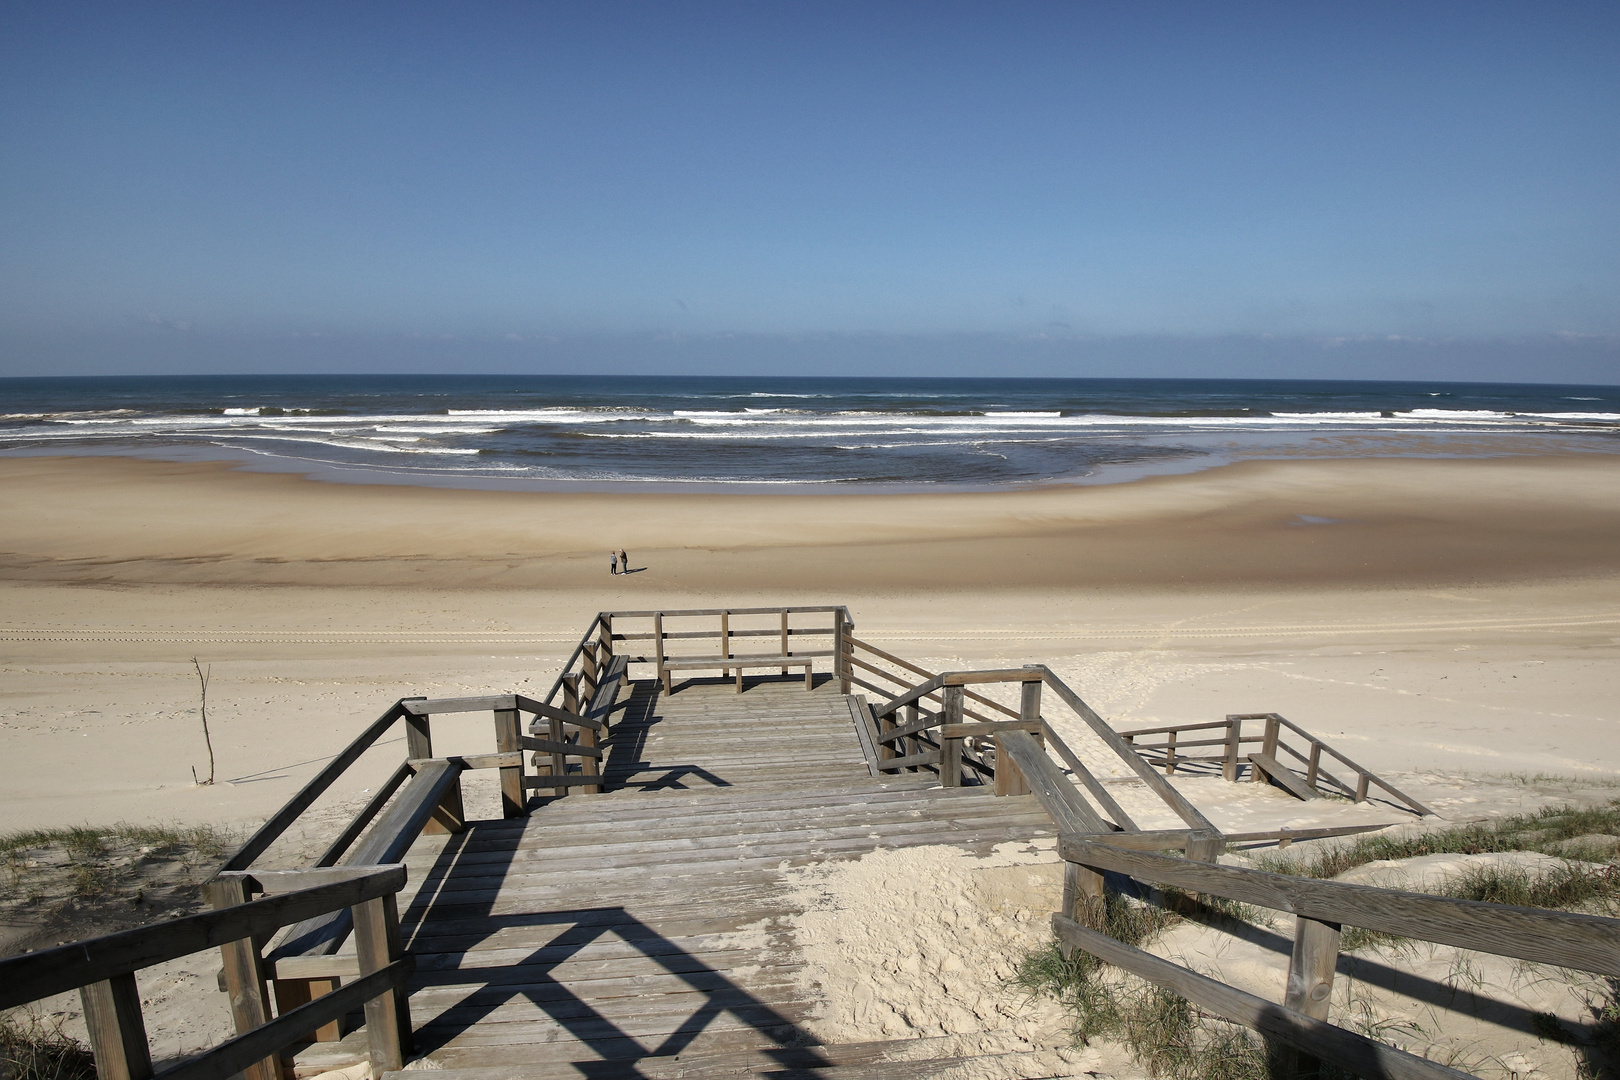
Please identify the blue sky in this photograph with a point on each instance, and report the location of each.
(1080, 189)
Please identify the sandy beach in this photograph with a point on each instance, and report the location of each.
(1446, 615)
(1453, 625)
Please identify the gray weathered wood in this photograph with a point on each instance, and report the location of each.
(1586, 942)
(912, 761)
(267, 833)
(112, 1017)
(1009, 780)
(865, 729)
(376, 940)
(1311, 968)
(1282, 775)
(546, 746)
(230, 1058)
(1185, 810)
(950, 750)
(1057, 796)
(357, 825)
(1098, 791)
(509, 740)
(1350, 1051)
(40, 974)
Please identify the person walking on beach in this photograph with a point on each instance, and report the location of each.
(624, 561)
(613, 562)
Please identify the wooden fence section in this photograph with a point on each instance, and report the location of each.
(727, 640)
(1264, 762)
(1321, 908)
(103, 970)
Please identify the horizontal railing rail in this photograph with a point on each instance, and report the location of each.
(103, 970)
(1264, 762)
(1321, 908)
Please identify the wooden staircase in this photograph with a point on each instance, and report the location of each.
(604, 935)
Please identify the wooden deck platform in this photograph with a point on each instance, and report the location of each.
(598, 936)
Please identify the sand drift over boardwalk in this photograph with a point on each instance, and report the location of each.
(811, 434)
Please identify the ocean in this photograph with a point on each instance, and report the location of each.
(549, 432)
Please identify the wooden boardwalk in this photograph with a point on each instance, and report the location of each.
(599, 936)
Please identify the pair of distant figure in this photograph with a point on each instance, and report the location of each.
(618, 562)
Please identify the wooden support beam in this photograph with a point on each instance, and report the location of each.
(1009, 780)
(1234, 740)
(377, 945)
(244, 975)
(112, 1015)
(950, 750)
(509, 740)
(1282, 775)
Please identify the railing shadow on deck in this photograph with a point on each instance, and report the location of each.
(530, 978)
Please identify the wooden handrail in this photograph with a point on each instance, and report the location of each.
(1359, 1054)
(67, 967)
(267, 833)
(1373, 777)
(234, 1055)
(1566, 939)
(1161, 787)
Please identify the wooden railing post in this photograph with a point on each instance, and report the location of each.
(244, 977)
(1029, 700)
(449, 816)
(1170, 754)
(1269, 746)
(1229, 759)
(907, 746)
(840, 641)
(1314, 765)
(725, 644)
(1009, 779)
(658, 646)
(587, 672)
(784, 638)
(112, 1014)
(388, 1017)
(1204, 845)
(950, 750)
(1310, 978)
(1082, 886)
(509, 739)
(605, 637)
(554, 726)
(1363, 781)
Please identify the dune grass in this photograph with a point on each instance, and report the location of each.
(35, 1048)
(1172, 1042)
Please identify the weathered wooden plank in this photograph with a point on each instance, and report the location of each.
(969, 678)
(357, 825)
(230, 1058)
(754, 660)
(865, 730)
(472, 761)
(481, 703)
(387, 841)
(67, 967)
(1585, 942)
(112, 1018)
(1346, 1049)
(1057, 796)
(267, 833)
(1284, 777)
(552, 780)
(546, 746)
(1161, 787)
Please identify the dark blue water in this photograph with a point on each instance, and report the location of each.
(581, 431)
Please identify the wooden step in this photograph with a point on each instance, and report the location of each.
(1283, 776)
